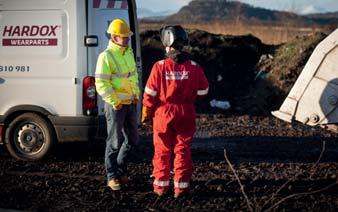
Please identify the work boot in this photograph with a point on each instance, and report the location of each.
(124, 180)
(181, 193)
(114, 184)
(160, 193)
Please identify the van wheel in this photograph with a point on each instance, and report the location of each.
(29, 137)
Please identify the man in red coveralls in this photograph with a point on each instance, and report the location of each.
(171, 90)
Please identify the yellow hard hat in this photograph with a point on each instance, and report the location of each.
(119, 27)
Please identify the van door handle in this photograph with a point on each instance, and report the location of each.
(2, 81)
(91, 40)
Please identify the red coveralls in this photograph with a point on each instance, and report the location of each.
(170, 92)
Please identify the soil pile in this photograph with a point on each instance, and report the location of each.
(279, 71)
(228, 61)
(254, 77)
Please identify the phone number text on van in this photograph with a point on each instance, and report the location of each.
(14, 68)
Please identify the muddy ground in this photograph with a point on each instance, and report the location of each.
(265, 152)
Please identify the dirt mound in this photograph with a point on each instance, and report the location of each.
(289, 60)
(254, 77)
(279, 71)
(228, 61)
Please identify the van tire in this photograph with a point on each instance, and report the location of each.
(29, 137)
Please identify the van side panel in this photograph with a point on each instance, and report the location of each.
(42, 56)
(43, 59)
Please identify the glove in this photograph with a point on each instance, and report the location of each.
(135, 101)
(146, 115)
(118, 107)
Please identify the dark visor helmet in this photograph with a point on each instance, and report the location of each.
(174, 36)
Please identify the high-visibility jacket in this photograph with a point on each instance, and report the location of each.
(116, 77)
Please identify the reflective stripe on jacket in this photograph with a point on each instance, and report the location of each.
(116, 77)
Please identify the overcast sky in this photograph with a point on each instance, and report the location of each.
(299, 6)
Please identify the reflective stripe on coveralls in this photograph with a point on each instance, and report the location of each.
(149, 91)
(202, 92)
(181, 185)
(161, 183)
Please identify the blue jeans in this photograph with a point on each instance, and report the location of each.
(122, 136)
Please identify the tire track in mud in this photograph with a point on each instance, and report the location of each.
(47, 175)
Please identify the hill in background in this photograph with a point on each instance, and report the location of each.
(198, 11)
(236, 18)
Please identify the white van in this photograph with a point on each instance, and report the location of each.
(48, 57)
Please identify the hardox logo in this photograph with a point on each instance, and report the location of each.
(34, 35)
(176, 75)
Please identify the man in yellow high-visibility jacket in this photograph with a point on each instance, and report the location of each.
(116, 81)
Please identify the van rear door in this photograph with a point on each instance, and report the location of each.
(100, 14)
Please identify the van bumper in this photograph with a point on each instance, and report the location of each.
(73, 129)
